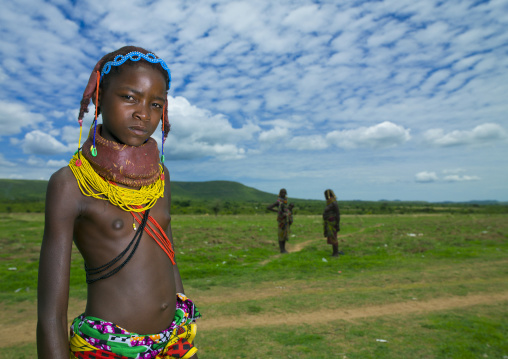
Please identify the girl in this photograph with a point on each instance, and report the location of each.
(113, 200)
(282, 219)
(331, 221)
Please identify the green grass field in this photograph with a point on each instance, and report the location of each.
(409, 286)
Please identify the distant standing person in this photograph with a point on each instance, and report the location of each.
(282, 218)
(331, 221)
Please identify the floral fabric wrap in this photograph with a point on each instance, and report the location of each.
(93, 338)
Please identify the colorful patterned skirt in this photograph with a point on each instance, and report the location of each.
(93, 338)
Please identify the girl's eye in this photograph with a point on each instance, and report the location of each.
(157, 105)
(128, 97)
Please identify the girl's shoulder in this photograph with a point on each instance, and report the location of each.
(63, 193)
(63, 177)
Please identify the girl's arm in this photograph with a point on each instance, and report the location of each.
(62, 198)
(272, 207)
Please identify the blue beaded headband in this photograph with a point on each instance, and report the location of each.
(135, 56)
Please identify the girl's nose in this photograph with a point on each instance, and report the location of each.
(142, 112)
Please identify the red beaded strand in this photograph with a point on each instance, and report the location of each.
(159, 236)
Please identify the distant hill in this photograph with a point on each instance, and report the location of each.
(214, 190)
(32, 191)
(227, 197)
(22, 190)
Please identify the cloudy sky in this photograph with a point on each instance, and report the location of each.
(386, 99)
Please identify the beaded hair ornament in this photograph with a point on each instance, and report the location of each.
(117, 61)
(330, 196)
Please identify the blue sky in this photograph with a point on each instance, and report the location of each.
(390, 99)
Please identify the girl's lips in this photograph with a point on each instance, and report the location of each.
(138, 130)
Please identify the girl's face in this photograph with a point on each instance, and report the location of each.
(132, 104)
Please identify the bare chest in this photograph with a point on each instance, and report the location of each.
(103, 230)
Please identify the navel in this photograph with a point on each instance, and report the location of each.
(117, 224)
(164, 306)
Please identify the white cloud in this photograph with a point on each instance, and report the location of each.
(292, 123)
(434, 32)
(482, 134)
(240, 16)
(426, 177)
(14, 117)
(196, 132)
(274, 136)
(467, 62)
(40, 143)
(383, 135)
(457, 178)
(454, 170)
(6, 163)
(70, 134)
(306, 18)
(57, 163)
(311, 143)
(389, 33)
(435, 79)
(34, 161)
(39, 162)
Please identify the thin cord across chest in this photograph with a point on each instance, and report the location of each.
(134, 243)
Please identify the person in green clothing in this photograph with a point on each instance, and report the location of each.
(331, 222)
(281, 207)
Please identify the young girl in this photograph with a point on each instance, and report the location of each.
(113, 201)
(282, 219)
(331, 221)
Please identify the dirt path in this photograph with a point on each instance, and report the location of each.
(299, 246)
(349, 314)
(19, 322)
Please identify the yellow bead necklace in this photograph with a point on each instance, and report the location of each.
(128, 199)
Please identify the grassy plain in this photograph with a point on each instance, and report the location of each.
(409, 286)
